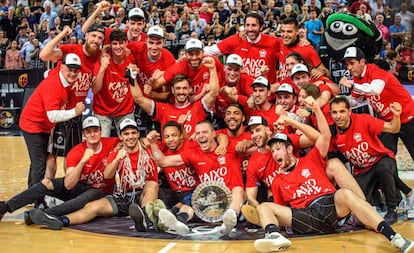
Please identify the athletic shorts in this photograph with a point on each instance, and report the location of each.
(120, 202)
(65, 136)
(319, 217)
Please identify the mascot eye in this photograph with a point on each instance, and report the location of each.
(350, 29)
(336, 26)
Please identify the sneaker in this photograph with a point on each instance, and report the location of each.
(402, 243)
(152, 209)
(391, 216)
(138, 216)
(171, 222)
(403, 205)
(3, 209)
(158, 205)
(229, 222)
(41, 218)
(26, 217)
(272, 242)
(410, 200)
(251, 214)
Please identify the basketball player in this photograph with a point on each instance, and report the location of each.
(68, 134)
(83, 182)
(185, 112)
(138, 184)
(319, 208)
(46, 108)
(112, 99)
(193, 67)
(209, 167)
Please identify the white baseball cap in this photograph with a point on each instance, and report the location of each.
(262, 81)
(193, 44)
(299, 68)
(279, 137)
(155, 31)
(72, 61)
(136, 13)
(127, 122)
(90, 121)
(234, 59)
(285, 87)
(256, 120)
(353, 52)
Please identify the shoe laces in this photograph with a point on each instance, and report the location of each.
(398, 241)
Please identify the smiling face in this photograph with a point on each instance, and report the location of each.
(135, 27)
(93, 42)
(232, 74)
(289, 34)
(260, 94)
(173, 138)
(70, 74)
(286, 100)
(181, 91)
(92, 135)
(204, 136)
(341, 115)
(260, 135)
(252, 28)
(300, 79)
(194, 58)
(155, 45)
(355, 66)
(129, 137)
(234, 118)
(118, 48)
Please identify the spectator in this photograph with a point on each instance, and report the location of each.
(377, 7)
(4, 44)
(9, 22)
(67, 18)
(77, 6)
(397, 32)
(13, 58)
(31, 19)
(223, 13)
(197, 24)
(303, 16)
(48, 14)
(388, 16)
(22, 37)
(355, 6)
(288, 12)
(37, 10)
(205, 14)
(314, 30)
(407, 17)
(43, 31)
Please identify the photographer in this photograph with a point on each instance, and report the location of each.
(35, 61)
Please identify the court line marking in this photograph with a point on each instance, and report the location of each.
(168, 247)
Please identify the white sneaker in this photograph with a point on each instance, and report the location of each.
(170, 221)
(229, 222)
(410, 200)
(272, 242)
(402, 243)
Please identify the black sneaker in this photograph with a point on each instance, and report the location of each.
(26, 217)
(3, 209)
(138, 216)
(41, 218)
(391, 216)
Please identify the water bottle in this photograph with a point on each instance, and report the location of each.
(11, 103)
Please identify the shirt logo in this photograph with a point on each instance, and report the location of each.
(306, 173)
(357, 137)
(262, 53)
(221, 159)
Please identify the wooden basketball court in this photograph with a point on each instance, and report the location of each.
(15, 236)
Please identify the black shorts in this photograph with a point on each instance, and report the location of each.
(120, 202)
(318, 218)
(171, 197)
(66, 135)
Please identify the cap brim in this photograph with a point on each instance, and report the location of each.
(193, 48)
(259, 84)
(128, 126)
(136, 17)
(90, 127)
(273, 140)
(235, 64)
(155, 35)
(73, 66)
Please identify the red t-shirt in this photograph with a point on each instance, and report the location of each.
(147, 67)
(93, 171)
(231, 147)
(212, 167)
(307, 52)
(261, 168)
(135, 170)
(81, 87)
(360, 143)
(181, 178)
(264, 52)
(393, 92)
(49, 95)
(305, 183)
(269, 115)
(199, 77)
(165, 112)
(114, 98)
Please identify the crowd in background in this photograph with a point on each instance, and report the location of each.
(28, 25)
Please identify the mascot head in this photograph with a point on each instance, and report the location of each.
(344, 30)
